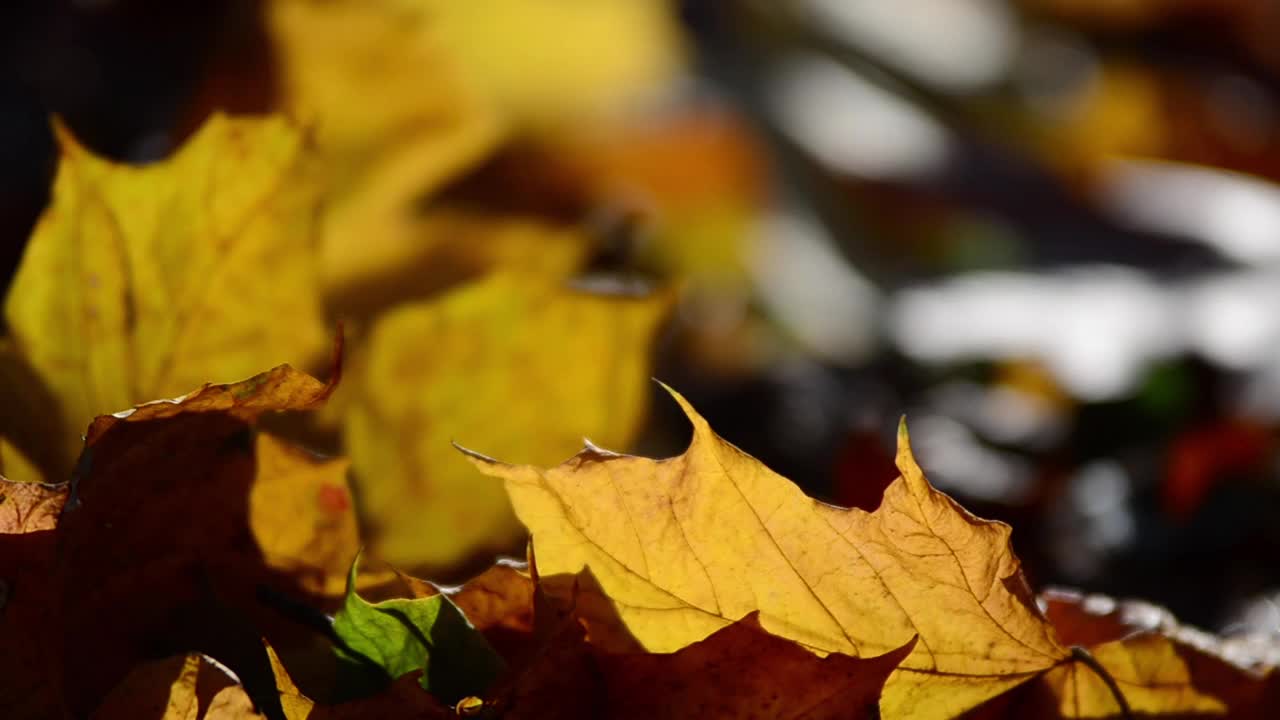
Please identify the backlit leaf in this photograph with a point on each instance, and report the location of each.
(144, 282)
(488, 364)
(1147, 670)
(429, 634)
(673, 550)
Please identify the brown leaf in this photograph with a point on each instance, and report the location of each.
(158, 536)
(28, 507)
(498, 602)
(29, 686)
(277, 390)
(737, 672)
(182, 687)
(403, 698)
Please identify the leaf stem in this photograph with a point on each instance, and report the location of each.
(1079, 653)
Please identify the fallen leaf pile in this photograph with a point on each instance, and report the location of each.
(697, 586)
(178, 541)
(143, 282)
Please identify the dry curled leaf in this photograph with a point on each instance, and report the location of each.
(158, 536)
(679, 548)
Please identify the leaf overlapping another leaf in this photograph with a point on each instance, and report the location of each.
(682, 547)
(144, 282)
(487, 361)
(158, 536)
(429, 634)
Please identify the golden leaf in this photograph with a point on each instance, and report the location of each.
(405, 256)
(543, 61)
(143, 282)
(1159, 665)
(303, 518)
(31, 427)
(392, 123)
(1147, 671)
(507, 362)
(675, 549)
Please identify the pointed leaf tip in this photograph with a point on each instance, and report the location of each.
(905, 458)
(700, 425)
(479, 459)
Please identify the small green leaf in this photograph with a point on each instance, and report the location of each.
(431, 634)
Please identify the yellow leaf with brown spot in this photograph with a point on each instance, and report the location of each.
(508, 362)
(664, 553)
(144, 282)
(303, 518)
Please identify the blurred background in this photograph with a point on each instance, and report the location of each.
(1046, 231)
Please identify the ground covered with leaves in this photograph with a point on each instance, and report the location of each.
(702, 585)
(192, 525)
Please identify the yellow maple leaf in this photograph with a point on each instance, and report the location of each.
(382, 91)
(406, 256)
(543, 61)
(31, 428)
(407, 95)
(676, 549)
(392, 123)
(143, 282)
(303, 518)
(509, 362)
(1144, 651)
(1147, 671)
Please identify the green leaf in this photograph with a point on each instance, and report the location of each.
(431, 634)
